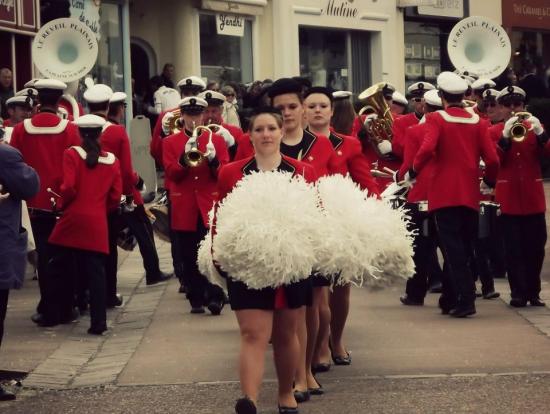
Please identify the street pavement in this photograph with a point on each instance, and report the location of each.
(157, 357)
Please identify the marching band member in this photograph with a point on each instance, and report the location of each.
(315, 150)
(192, 191)
(270, 312)
(343, 118)
(213, 115)
(349, 160)
(520, 193)
(42, 140)
(19, 108)
(137, 219)
(479, 86)
(416, 92)
(494, 114)
(190, 86)
(114, 139)
(424, 243)
(399, 104)
(455, 140)
(91, 187)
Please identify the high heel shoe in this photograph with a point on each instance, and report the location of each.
(301, 396)
(316, 391)
(245, 405)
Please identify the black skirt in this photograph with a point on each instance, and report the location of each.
(242, 297)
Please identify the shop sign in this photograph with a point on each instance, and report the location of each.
(528, 13)
(230, 24)
(340, 8)
(87, 11)
(444, 8)
(414, 3)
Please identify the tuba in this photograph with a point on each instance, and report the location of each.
(519, 130)
(195, 157)
(379, 129)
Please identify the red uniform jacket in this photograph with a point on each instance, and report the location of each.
(155, 148)
(230, 174)
(42, 141)
(114, 139)
(87, 194)
(244, 147)
(414, 136)
(318, 153)
(377, 162)
(519, 188)
(192, 190)
(399, 128)
(456, 140)
(350, 160)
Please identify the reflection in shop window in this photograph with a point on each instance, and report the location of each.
(225, 58)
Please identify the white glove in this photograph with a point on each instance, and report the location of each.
(3, 196)
(143, 190)
(506, 132)
(408, 180)
(384, 147)
(484, 188)
(211, 151)
(190, 144)
(536, 126)
(369, 118)
(166, 122)
(226, 135)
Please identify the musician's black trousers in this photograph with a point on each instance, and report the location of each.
(42, 227)
(424, 252)
(72, 267)
(199, 290)
(496, 251)
(4, 294)
(175, 249)
(142, 230)
(111, 263)
(524, 240)
(457, 232)
(481, 265)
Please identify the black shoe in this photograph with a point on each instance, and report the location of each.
(437, 288)
(47, 323)
(536, 302)
(316, 391)
(215, 307)
(118, 300)
(491, 295)
(463, 311)
(301, 396)
(71, 317)
(97, 329)
(518, 302)
(407, 300)
(288, 410)
(37, 317)
(245, 405)
(197, 309)
(6, 395)
(478, 294)
(322, 367)
(161, 277)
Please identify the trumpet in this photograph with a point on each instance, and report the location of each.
(518, 130)
(194, 157)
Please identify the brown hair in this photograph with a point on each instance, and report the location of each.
(278, 118)
(343, 117)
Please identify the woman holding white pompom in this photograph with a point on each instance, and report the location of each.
(271, 312)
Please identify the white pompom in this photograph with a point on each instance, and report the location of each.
(266, 230)
(206, 263)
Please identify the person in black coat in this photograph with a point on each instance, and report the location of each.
(18, 182)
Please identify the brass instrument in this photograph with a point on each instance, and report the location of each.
(174, 124)
(194, 157)
(518, 130)
(379, 129)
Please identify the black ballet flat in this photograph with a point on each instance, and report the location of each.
(288, 410)
(301, 396)
(316, 391)
(322, 367)
(342, 360)
(245, 405)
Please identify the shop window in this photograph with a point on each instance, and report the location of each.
(422, 52)
(225, 58)
(109, 68)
